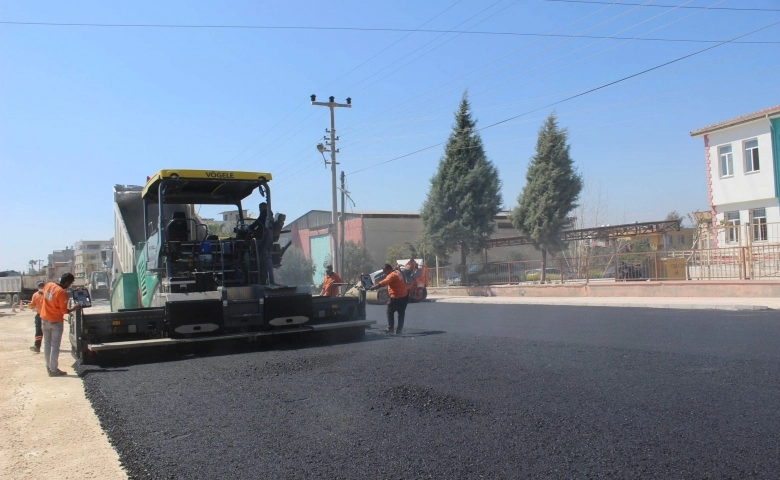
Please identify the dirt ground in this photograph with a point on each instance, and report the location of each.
(48, 429)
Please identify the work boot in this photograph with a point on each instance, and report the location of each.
(36, 349)
(56, 373)
(399, 331)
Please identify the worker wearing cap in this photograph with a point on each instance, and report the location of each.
(329, 287)
(53, 310)
(35, 304)
(399, 297)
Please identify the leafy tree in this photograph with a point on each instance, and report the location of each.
(550, 193)
(218, 228)
(673, 215)
(296, 268)
(357, 260)
(465, 192)
(396, 251)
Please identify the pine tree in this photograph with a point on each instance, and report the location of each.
(465, 192)
(551, 191)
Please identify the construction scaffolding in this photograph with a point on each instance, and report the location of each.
(597, 233)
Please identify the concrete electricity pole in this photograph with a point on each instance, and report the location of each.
(344, 197)
(333, 150)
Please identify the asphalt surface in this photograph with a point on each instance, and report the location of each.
(470, 391)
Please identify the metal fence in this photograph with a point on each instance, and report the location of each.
(756, 262)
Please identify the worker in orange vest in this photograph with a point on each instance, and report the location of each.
(329, 287)
(399, 297)
(35, 304)
(410, 269)
(53, 310)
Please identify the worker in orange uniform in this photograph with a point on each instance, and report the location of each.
(410, 269)
(329, 284)
(35, 304)
(53, 308)
(399, 297)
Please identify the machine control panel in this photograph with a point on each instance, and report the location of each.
(81, 297)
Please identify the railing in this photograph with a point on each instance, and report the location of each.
(757, 262)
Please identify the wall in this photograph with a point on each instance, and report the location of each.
(622, 289)
(380, 233)
(742, 187)
(353, 232)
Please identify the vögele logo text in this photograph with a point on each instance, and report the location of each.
(219, 174)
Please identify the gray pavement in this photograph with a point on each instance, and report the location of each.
(469, 391)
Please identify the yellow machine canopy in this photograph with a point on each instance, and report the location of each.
(217, 187)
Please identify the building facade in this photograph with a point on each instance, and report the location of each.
(742, 164)
(91, 256)
(378, 231)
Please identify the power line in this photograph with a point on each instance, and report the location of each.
(581, 94)
(744, 9)
(336, 80)
(552, 61)
(395, 30)
(494, 61)
(423, 46)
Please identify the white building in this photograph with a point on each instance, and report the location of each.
(743, 178)
(90, 256)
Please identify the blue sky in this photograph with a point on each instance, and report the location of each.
(84, 108)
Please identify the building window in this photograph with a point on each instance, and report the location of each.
(732, 230)
(726, 161)
(758, 219)
(668, 239)
(681, 239)
(751, 156)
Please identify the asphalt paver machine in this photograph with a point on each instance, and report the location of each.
(182, 284)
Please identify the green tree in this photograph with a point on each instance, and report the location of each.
(394, 252)
(296, 268)
(357, 260)
(674, 216)
(465, 192)
(551, 192)
(218, 228)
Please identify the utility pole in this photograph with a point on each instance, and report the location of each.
(343, 219)
(333, 151)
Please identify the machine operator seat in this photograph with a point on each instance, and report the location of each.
(177, 229)
(278, 224)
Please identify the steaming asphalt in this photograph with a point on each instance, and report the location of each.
(471, 391)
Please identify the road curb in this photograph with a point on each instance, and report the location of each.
(681, 306)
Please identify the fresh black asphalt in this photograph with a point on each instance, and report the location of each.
(470, 391)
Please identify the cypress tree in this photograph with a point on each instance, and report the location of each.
(550, 194)
(465, 192)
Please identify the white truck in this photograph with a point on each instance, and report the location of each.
(15, 286)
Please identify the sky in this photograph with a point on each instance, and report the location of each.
(83, 108)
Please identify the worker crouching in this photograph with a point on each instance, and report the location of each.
(399, 297)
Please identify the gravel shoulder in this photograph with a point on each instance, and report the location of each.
(48, 429)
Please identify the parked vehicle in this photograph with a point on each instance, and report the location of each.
(15, 286)
(488, 274)
(536, 274)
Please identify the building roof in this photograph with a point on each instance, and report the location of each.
(322, 218)
(767, 112)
